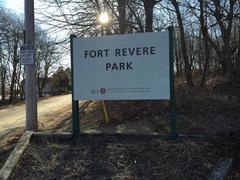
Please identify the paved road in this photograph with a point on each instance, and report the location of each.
(14, 116)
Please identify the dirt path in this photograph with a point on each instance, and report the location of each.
(13, 116)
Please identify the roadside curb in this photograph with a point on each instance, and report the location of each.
(15, 155)
(222, 169)
(63, 136)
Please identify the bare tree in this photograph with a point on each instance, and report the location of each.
(47, 58)
(187, 65)
(11, 71)
(204, 29)
(11, 38)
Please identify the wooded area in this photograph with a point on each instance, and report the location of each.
(207, 38)
(207, 33)
(12, 74)
(133, 143)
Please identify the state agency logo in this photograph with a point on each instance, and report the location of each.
(103, 91)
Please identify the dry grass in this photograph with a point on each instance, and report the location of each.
(8, 142)
(134, 157)
(44, 159)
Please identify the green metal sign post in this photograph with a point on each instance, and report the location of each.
(75, 104)
(172, 102)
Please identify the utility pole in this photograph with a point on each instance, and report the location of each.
(30, 82)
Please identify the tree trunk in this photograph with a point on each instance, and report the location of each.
(187, 69)
(21, 92)
(238, 59)
(14, 74)
(200, 61)
(178, 73)
(23, 89)
(225, 29)
(206, 63)
(206, 48)
(148, 7)
(122, 15)
(3, 79)
(39, 87)
(45, 79)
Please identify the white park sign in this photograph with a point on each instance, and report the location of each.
(121, 67)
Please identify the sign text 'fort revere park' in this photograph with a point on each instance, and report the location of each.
(129, 67)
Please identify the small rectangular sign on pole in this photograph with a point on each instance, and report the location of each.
(27, 54)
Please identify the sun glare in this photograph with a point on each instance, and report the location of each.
(17, 6)
(103, 18)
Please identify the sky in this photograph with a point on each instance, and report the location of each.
(17, 6)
